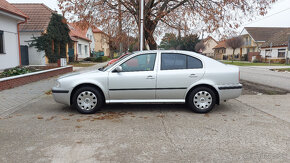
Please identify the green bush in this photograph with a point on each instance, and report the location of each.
(99, 59)
(16, 71)
(92, 59)
(102, 59)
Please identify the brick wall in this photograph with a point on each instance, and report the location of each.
(251, 54)
(18, 81)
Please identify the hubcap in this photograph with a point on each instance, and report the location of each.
(202, 100)
(87, 100)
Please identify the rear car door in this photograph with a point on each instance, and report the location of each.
(136, 81)
(177, 72)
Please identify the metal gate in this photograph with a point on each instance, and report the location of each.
(24, 55)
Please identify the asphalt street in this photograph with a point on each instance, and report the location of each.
(262, 75)
(45, 131)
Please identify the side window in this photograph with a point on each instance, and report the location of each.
(179, 61)
(1, 42)
(193, 63)
(173, 61)
(143, 62)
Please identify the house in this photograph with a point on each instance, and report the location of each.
(39, 18)
(223, 52)
(276, 47)
(82, 40)
(209, 44)
(101, 41)
(255, 37)
(10, 19)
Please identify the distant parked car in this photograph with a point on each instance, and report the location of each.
(116, 59)
(152, 77)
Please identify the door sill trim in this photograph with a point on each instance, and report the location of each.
(147, 101)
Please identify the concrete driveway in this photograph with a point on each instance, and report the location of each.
(263, 75)
(44, 131)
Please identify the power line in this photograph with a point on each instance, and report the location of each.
(268, 16)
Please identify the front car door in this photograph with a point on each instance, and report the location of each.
(136, 81)
(177, 72)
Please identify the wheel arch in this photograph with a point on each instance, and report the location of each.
(86, 85)
(204, 85)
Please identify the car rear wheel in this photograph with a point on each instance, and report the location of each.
(202, 100)
(87, 100)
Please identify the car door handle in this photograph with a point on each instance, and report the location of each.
(150, 77)
(192, 75)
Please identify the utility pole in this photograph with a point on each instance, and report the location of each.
(141, 24)
(120, 28)
(288, 51)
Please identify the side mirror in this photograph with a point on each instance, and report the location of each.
(119, 69)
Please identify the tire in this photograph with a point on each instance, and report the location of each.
(202, 100)
(87, 100)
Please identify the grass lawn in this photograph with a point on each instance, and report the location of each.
(242, 63)
(281, 69)
(82, 64)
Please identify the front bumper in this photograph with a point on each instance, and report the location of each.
(61, 96)
(230, 91)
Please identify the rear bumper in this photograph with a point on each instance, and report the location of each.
(230, 91)
(61, 96)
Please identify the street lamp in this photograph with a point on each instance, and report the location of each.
(141, 24)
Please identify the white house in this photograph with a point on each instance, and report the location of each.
(209, 44)
(276, 47)
(10, 18)
(82, 43)
(39, 18)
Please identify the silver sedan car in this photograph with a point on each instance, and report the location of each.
(159, 76)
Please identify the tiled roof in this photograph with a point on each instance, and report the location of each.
(39, 16)
(263, 33)
(208, 38)
(278, 39)
(221, 44)
(7, 7)
(77, 32)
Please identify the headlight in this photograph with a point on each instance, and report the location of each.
(57, 84)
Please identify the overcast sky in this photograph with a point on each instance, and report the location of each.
(278, 16)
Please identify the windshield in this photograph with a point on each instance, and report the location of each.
(111, 65)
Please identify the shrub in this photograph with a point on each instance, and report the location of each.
(92, 59)
(103, 59)
(17, 71)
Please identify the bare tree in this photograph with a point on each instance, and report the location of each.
(234, 43)
(163, 15)
(199, 46)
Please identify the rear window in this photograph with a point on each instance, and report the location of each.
(179, 61)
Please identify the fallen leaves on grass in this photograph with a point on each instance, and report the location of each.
(79, 142)
(39, 117)
(65, 119)
(78, 126)
(206, 115)
(71, 115)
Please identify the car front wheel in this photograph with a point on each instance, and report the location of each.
(202, 100)
(87, 100)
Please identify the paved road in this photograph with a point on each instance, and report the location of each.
(14, 99)
(44, 131)
(262, 75)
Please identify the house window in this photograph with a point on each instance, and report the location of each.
(250, 41)
(268, 53)
(247, 41)
(1, 42)
(281, 53)
(80, 48)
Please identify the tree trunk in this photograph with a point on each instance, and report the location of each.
(233, 55)
(149, 28)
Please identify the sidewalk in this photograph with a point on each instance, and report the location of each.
(16, 98)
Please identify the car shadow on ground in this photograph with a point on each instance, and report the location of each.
(139, 108)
